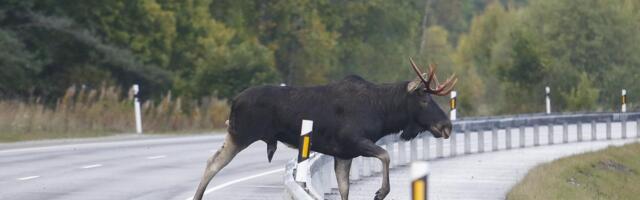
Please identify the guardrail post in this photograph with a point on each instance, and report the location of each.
(419, 180)
(467, 141)
(594, 128)
(638, 128)
(354, 174)
(413, 146)
(536, 135)
(439, 150)
(389, 145)
(608, 129)
(480, 141)
(579, 126)
(304, 151)
(522, 135)
(494, 139)
(425, 146)
(453, 149)
(402, 152)
(367, 168)
(565, 132)
(550, 134)
(508, 137)
(624, 128)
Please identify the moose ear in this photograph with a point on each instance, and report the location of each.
(413, 85)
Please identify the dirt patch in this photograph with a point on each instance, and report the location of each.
(573, 181)
(613, 166)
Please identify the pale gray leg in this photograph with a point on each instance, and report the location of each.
(220, 159)
(342, 168)
(370, 149)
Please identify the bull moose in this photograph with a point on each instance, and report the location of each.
(349, 116)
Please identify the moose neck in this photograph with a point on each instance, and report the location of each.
(393, 103)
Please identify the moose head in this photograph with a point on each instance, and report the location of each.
(424, 111)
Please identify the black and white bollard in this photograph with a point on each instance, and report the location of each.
(548, 99)
(624, 101)
(419, 180)
(136, 106)
(304, 151)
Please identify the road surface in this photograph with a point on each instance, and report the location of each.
(156, 168)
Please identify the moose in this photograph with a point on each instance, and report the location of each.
(349, 116)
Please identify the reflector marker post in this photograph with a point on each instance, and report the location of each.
(547, 90)
(453, 103)
(419, 180)
(304, 150)
(136, 105)
(624, 101)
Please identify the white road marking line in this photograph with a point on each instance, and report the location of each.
(156, 157)
(27, 178)
(239, 180)
(91, 166)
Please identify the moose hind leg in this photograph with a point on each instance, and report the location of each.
(342, 168)
(220, 159)
(370, 149)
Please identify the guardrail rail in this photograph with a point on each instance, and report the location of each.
(323, 181)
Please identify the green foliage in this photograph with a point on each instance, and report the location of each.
(504, 52)
(583, 97)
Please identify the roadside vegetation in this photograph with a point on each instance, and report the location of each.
(612, 173)
(105, 111)
(193, 54)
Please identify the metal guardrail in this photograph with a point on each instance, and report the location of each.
(322, 177)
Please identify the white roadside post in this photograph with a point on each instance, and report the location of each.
(304, 151)
(452, 116)
(548, 100)
(453, 103)
(419, 180)
(624, 101)
(136, 105)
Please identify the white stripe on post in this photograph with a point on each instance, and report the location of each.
(136, 105)
(304, 150)
(419, 180)
(548, 100)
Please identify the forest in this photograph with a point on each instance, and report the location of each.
(65, 57)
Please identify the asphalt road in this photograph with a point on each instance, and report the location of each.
(156, 168)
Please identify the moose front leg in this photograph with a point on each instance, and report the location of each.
(342, 168)
(370, 149)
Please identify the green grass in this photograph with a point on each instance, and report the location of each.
(612, 173)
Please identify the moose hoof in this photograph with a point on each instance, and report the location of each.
(380, 194)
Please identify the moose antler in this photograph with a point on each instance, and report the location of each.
(440, 89)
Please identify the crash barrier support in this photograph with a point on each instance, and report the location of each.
(322, 179)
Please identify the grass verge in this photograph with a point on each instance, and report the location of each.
(104, 111)
(612, 173)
